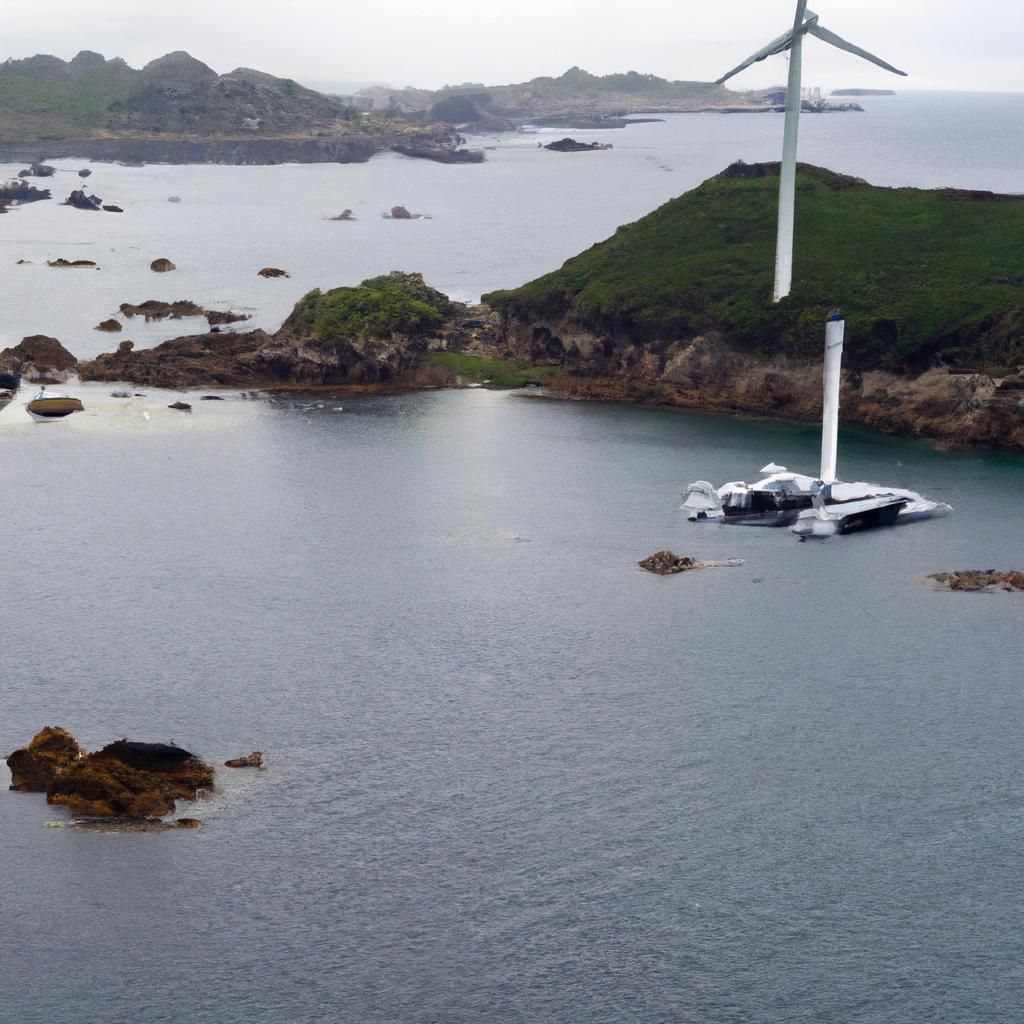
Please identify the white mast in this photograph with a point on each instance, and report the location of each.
(805, 22)
(787, 169)
(830, 407)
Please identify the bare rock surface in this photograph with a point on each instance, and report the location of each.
(34, 766)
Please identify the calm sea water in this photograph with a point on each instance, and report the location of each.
(510, 776)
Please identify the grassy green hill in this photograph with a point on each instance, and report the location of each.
(922, 276)
(43, 97)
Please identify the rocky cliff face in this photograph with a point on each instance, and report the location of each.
(708, 372)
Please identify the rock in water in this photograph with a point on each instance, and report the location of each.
(273, 272)
(664, 563)
(130, 779)
(180, 406)
(253, 760)
(979, 579)
(400, 213)
(61, 262)
(50, 751)
(38, 355)
(84, 172)
(109, 325)
(162, 265)
(111, 208)
(174, 199)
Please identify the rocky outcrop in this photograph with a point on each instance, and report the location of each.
(372, 335)
(156, 309)
(130, 779)
(978, 580)
(666, 563)
(329, 147)
(81, 201)
(50, 752)
(568, 145)
(442, 154)
(38, 170)
(38, 355)
(22, 192)
(253, 760)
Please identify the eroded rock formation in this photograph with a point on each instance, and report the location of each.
(51, 751)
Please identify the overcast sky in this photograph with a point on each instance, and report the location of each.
(943, 44)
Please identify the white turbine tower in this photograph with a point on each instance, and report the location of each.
(806, 22)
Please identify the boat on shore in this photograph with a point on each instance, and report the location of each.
(49, 406)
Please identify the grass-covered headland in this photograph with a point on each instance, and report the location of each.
(922, 277)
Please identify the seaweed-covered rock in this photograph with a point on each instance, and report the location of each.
(50, 752)
(106, 787)
(979, 579)
(130, 779)
(664, 563)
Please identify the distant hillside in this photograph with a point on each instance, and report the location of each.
(46, 98)
(923, 277)
(574, 94)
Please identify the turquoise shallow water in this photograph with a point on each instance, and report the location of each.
(511, 776)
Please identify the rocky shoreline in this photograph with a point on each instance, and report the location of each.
(343, 148)
(706, 373)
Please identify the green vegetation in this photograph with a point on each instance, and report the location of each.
(43, 97)
(496, 373)
(921, 276)
(394, 303)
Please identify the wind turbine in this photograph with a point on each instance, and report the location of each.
(805, 22)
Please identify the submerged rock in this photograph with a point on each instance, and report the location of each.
(253, 760)
(162, 265)
(664, 563)
(344, 215)
(174, 199)
(50, 752)
(111, 208)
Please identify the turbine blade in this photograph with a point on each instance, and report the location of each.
(837, 41)
(779, 45)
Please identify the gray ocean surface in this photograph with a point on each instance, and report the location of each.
(511, 777)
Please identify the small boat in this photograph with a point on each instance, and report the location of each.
(53, 406)
(819, 506)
